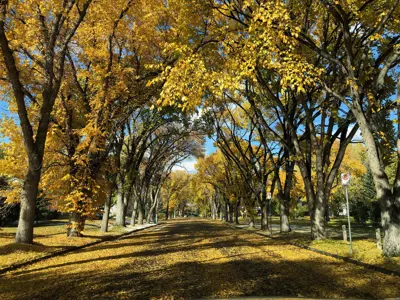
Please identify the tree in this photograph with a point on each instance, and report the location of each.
(34, 61)
(365, 52)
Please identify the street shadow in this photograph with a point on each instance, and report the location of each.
(205, 279)
(163, 265)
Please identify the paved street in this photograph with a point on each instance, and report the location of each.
(194, 259)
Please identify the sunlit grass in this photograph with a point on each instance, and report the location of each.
(364, 250)
(48, 239)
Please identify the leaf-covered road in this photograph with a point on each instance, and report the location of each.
(194, 259)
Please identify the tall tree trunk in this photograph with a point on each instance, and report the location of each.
(284, 197)
(230, 207)
(127, 198)
(150, 214)
(264, 210)
(106, 214)
(226, 216)
(28, 207)
(76, 224)
(215, 209)
(154, 198)
(237, 212)
(284, 213)
(120, 217)
(141, 213)
(156, 213)
(318, 229)
(252, 222)
(167, 211)
(134, 212)
(264, 216)
(389, 203)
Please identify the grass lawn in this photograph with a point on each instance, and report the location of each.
(48, 238)
(364, 248)
(335, 222)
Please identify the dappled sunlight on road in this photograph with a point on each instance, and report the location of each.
(194, 259)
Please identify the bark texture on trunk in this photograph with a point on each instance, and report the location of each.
(120, 216)
(237, 206)
(28, 208)
(284, 215)
(106, 214)
(318, 229)
(391, 241)
(141, 214)
(226, 215)
(389, 203)
(134, 212)
(167, 211)
(252, 223)
(230, 208)
(264, 216)
(76, 225)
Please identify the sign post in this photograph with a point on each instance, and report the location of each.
(269, 197)
(345, 182)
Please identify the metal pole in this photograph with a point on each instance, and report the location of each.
(348, 219)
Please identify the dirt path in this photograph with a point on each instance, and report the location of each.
(194, 259)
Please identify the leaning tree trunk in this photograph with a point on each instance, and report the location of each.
(154, 199)
(389, 201)
(28, 207)
(392, 232)
(150, 213)
(106, 214)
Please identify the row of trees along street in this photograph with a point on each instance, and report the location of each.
(102, 96)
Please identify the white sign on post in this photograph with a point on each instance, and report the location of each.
(269, 196)
(345, 179)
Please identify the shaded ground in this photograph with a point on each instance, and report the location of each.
(194, 259)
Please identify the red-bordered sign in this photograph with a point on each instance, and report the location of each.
(345, 178)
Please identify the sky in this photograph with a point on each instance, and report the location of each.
(188, 164)
(3, 107)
